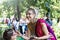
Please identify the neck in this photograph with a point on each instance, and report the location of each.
(33, 20)
(13, 39)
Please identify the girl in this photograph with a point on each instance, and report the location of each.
(10, 34)
(37, 27)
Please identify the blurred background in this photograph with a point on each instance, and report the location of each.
(10, 9)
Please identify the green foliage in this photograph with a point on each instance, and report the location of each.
(9, 6)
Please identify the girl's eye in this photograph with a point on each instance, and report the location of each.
(14, 34)
(28, 14)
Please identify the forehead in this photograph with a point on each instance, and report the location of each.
(30, 12)
(14, 31)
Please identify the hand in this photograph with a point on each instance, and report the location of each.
(25, 37)
(18, 33)
(51, 36)
(36, 37)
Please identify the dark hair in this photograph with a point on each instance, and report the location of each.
(32, 10)
(7, 34)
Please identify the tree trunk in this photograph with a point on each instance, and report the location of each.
(18, 13)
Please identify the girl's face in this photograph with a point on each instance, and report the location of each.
(13, 37)
(30, 15)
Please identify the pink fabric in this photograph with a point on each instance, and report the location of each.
(39, 31)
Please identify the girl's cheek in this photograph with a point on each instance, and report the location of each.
(13, 37)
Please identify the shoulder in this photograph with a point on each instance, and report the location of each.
(41, 20)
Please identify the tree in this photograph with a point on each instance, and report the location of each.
(15, 7)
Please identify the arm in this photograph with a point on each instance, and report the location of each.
(23, 36)
(45, 30)
(27, 35)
